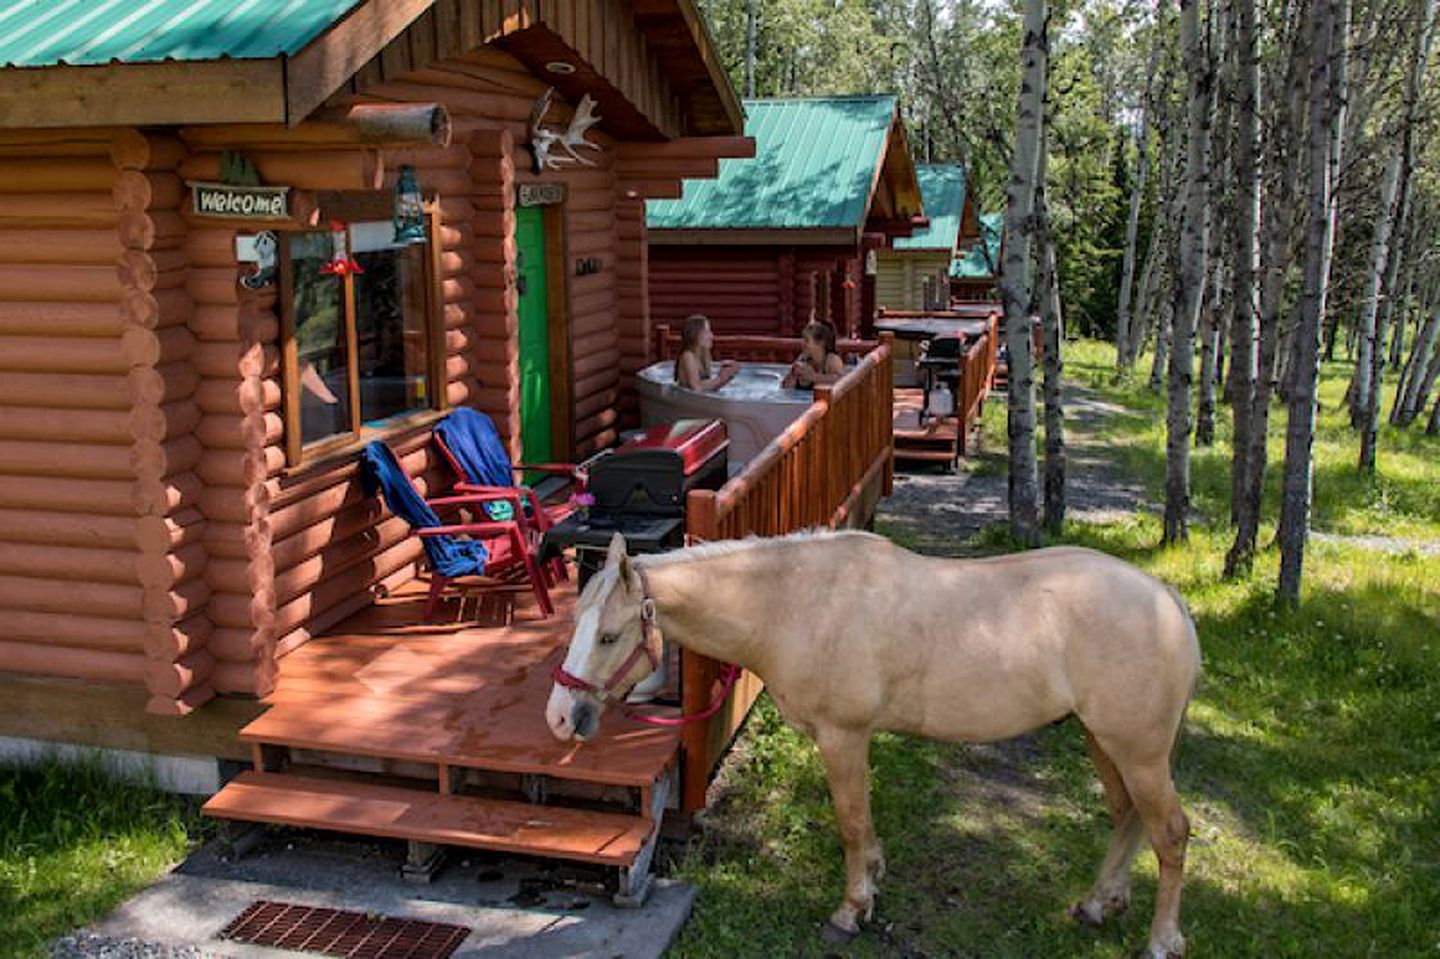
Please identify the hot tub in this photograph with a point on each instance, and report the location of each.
(754, 406)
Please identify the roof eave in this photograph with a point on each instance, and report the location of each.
(165, 93)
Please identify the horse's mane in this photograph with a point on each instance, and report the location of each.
(726, 547)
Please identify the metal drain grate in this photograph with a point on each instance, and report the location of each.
(335, 932)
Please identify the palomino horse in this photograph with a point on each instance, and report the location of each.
(853, 634)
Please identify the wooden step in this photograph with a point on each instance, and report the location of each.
(393, 812)
(928, 456)
(496, 728)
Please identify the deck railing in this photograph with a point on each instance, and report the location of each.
(977, 375)
(826, 470)
(753, 349)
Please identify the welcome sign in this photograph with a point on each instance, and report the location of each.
(240, 202)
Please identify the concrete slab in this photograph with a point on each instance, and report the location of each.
(516, 909)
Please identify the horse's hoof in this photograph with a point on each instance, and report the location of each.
(1087, 913)
(837, 935)
(1174, 949)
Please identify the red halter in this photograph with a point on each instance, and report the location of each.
(650, 646)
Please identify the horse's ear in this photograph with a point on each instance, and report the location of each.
(617, 550)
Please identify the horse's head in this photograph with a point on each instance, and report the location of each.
(615, 646)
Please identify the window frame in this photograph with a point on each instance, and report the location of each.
(350, 208)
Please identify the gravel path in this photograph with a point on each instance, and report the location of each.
(89, 946)
(940, 513)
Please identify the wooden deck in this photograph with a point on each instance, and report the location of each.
(435, 733)
(937, 440)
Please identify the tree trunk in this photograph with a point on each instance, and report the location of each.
(1212, 322)
(1375, 285)
(1300, 431)
(1281, 162)
(1188, 278)
(1371, 396)
(1015, 289)
(1164, 331)
(1054, 327)
(1433, 427)
(1371, 399)
(1244, 330)
(1420, 372)
(1124, 352)
(750, 20)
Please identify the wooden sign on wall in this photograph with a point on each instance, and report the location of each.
(540, 194)
(240, 202)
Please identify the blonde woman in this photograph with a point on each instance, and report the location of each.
(694, 367)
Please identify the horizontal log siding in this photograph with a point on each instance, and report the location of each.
(739, 289)
(101, 560)
(762, 291)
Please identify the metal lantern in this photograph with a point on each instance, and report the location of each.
(409, 215)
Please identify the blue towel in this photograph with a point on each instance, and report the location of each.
(449, 555)
(472, 439)
(476, 445)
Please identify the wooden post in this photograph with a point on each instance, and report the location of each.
(697, 672)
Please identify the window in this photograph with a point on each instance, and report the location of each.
(360, 348)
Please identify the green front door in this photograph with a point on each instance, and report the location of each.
(535, 413)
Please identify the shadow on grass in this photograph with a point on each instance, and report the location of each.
(987, 845)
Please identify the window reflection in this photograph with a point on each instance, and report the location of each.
(390, 322)
(320, 341)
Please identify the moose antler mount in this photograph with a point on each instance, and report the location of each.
(555, 149)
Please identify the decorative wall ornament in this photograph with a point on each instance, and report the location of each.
(540, 194)
(409, 213)
(341, 262)
(265, 246)
(554, 149)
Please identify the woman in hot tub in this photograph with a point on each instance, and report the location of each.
(818, 362)
(694, 367)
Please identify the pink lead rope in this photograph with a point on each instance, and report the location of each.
(728, 680)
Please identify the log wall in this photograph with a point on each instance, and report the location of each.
(758, 291)
(102, 562)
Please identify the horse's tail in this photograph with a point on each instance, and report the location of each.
(1194, 679)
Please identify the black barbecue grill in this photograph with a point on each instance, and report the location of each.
(639, 491)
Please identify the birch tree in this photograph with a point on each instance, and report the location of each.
(1124, 351)
(1217, 301)
(1282, 159)
(1418, 377)
(1052, 323)
(1188, 278)
(1297, 486)
(1244, 328)
(1015, 285)
(1373, 380)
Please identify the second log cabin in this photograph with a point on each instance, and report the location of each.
(789, 237)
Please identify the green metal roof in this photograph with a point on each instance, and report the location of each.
(815, 162)
(942, 191)
(971, 265)
(45, 33)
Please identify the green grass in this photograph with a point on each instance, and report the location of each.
(1403, 500)
(74, 843)
(1310, 766)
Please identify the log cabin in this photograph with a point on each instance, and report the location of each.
(914, 272)
(775, 242)
(975, 271)
(239, 241)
